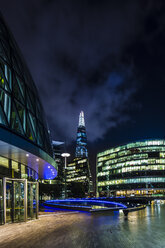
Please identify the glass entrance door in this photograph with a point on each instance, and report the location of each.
(15, 200)
(19, 205)
(20, 200)
(32, 200)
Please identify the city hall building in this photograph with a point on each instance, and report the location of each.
(25, 148)
(133, 169)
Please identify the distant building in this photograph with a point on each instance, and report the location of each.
(58, 149)
(79, 180)
(50, 189)
(133, 169)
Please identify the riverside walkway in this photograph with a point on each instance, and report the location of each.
(48, 231)
(140, 229)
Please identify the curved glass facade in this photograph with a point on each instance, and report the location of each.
(25, 147)
(20, 107)
(137, 168)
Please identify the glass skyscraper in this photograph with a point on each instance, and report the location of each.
(78, 171)
(25, 149)
(81, 142)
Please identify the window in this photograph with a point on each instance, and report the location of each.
(15, 166)
(4, 162)
(23, 172)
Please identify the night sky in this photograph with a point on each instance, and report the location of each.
(106, 58)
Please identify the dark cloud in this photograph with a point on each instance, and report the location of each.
(86, 55)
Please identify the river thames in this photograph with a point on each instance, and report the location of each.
(144, 228)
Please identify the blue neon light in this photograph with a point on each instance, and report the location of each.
(90, 201)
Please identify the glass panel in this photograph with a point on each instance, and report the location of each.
(15, 166)
(41, 134)
(33, 122)
(23, 172)
(5, 76)
(38, 113)
(15, 169)
(18, 201)
(28, 172)
(9, 215)
(15, 122)
(14, 201)
(21, 112)
(4, 162)
(31, 173)
(17, 92)
(1, 202)
(2, 80)
(7, 72)
(2, 117)
(21, 86)
(36, 176)
(32, 99)
(30, 103)
(39, 140)
(6, 103)
(32, 196)
(29, 130)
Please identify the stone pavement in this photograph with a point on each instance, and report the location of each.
(48, 231)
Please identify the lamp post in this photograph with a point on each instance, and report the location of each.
(65, 155)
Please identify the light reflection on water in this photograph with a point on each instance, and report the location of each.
(144, 228)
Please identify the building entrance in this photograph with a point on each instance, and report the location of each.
(32, 200)
(20, 200)
(15, 201)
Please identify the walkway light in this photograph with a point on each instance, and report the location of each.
(65, 155)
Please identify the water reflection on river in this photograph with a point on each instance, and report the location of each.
(144, 228)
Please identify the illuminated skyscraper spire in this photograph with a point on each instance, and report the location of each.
(79, 174)
(81, 120)
(81, 142)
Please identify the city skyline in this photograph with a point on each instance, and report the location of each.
(82, 123)
(115, 74)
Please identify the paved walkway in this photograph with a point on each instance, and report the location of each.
(49, 230)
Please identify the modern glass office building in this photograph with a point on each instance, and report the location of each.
(78, 170)
(25, 148)
(78, 176)
(133, 169)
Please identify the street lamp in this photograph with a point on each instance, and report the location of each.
(65, 155)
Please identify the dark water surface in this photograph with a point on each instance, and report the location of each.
(144, 228)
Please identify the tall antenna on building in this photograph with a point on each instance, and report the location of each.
(81, 120)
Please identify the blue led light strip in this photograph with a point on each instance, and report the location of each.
(85, 201)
